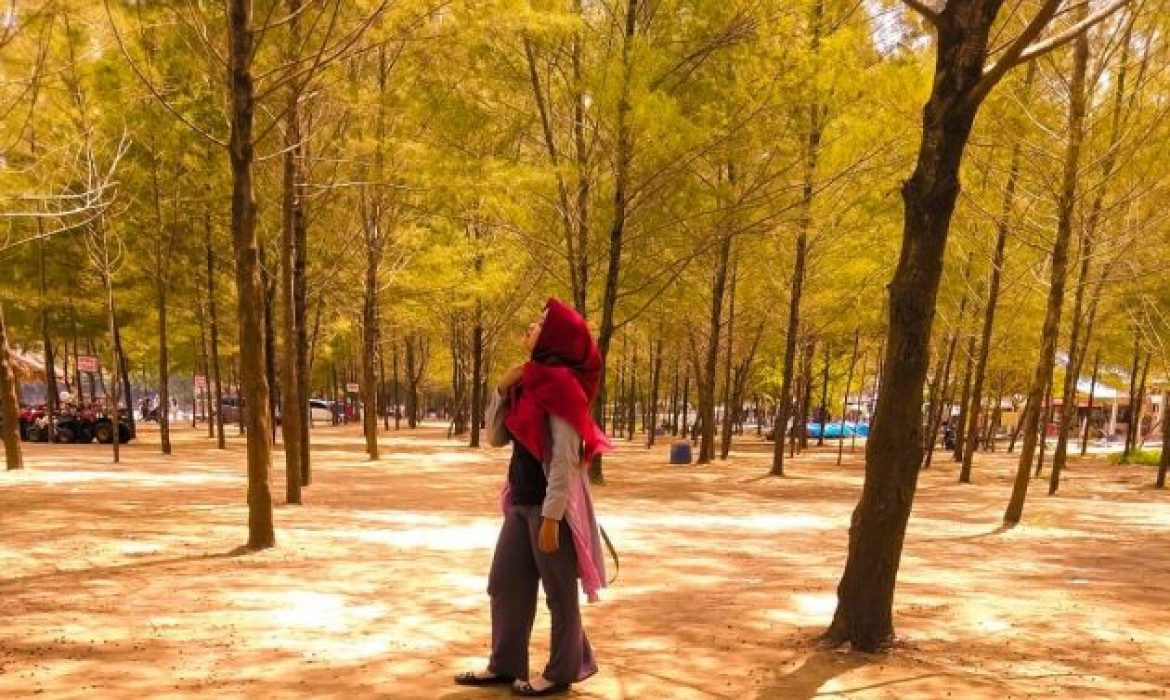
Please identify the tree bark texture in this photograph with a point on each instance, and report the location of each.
(9, 403)
(250, 286)
(864, 614)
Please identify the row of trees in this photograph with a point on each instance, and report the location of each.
(260, 192)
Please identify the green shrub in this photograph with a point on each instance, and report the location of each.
(1148, 458)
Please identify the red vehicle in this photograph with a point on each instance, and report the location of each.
(73, 424)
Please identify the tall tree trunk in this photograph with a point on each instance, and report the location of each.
(1044, 421)
(477, 375)
(674, 407)
(205, 358)
(964, 398)
(397, 389)
(806, 401)
(730, 402)
(1138, 412)
(250, 286)
(935, 419)
(1065, 212)
(1133, 380)
(291, 218)
(1164, 460)
(584, 179)
(1003, 226)
(213, 323)
(270, 285)
(686, 399)
(369, 383)
(164, 376)
(123, 374)
(632, 400)
(864, 614)
(52, 397)
(1068, 406)
(655, 379)
(9, 403)
(707, 386)
(845, 401)
(1089, 410)
(811, 155)
(623, 157)
(824, 407)
(785, 400)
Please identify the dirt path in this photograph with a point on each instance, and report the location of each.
(121, 581)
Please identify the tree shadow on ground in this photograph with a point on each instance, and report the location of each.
(66, 575)
(818, 667)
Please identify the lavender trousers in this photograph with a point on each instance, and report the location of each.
(517, 566)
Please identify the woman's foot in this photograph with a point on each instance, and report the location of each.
(539, 688)
(484, 677)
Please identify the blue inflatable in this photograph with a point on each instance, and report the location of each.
(838, 429)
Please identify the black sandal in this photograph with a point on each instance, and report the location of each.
(525, 690)
(470, 678)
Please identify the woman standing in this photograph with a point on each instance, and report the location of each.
(549, 535)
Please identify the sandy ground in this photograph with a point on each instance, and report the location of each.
(124, 581)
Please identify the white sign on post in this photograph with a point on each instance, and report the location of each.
(87, 363)
(353, 388)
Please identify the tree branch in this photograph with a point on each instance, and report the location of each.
(927, 12)
(1026, 47)
(1060, 39)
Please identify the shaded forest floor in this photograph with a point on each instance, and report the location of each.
(120, 581)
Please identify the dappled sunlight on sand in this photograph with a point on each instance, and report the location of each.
(124, 581)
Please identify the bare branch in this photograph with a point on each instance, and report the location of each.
(1026, 47)
(151, 87)
(1060, 39)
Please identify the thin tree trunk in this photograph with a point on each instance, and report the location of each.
(1164, 460)
(964, 399)
(624, 155)
(213, 324)
(9, 403)
(1089, 410)
(806, 400)
(369, 383)
(52, 397)
(824, 408)
(655, 379)
(477, 375)
(164, 374)
(123, 373)
(944, 402)
(1044, 421)
(707, 387)
(261, 533)
(1065, 212)
(730, 406)
(291, 218)
(674, 408)
(1138, 414)
(845, 401)
(632, 402)
(1133, 379)
(1003, 226)
(397, 390)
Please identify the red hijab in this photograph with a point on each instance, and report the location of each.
(561, 380)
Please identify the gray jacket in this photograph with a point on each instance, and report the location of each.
(562, 458)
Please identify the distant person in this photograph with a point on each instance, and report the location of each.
(549, 535)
